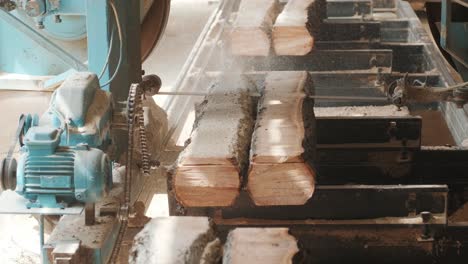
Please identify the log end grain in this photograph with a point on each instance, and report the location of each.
(250, 42)
(281, 184)
(200, 186)
(292, 40)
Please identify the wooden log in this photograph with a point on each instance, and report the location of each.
(252, 28)
(290, 34)
(279, 173)
(172, 240)
(259, 245)
(209, 169)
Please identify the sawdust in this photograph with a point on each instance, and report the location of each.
(172, 240)
(213, 252)
(461, 215)
(448, 148)
(19, 242)
(156, 125)
(387, 110)
(224, 123)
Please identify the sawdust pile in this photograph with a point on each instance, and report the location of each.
(387, 110)
(175, 240)
(19, 242)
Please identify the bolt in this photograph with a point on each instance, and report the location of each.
(379, 81)
(58, 19)
(40, 25)
(426, 218)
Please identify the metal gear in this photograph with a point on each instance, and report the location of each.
(8, 164)
(135, 122)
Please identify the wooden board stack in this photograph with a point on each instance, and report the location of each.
(209, 169)
(291, 35)
(260, 245)
(278, 172)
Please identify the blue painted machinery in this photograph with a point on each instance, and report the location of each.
(65, 157)
(62, 159)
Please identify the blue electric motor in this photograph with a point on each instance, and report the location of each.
(63, 159)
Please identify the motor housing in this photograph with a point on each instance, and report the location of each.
(63, 158)
(54, 176)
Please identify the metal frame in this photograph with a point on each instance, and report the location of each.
(405, 47)
(454, 35)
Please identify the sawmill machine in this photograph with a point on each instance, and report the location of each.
(448, 23)
(65, 163)
(379, 192)
(67, 154)
(62, 157)
(388, 189)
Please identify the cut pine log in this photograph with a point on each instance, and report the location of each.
(296, 26)
(209, 169)
(252, 28)
(290, 34)
(172, 240)
(259, 245)
(279, 173)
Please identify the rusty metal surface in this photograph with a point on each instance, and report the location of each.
(153, 25)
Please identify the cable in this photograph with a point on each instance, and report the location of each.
(119, 30)
(111, 41)
(458, 85)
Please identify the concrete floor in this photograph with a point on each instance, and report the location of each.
(187, 19)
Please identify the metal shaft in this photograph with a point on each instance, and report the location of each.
(41, 239)
(324, 97)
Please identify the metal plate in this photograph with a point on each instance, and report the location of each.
(12, 203)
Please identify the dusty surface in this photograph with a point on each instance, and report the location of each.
(461, 215)
(208, 170)
(278, 174)
(279, 128)
(155, 124)
(259, 245)
(387, 110)
(19, 241)
(72, 228)
(221, 131)
(172, 240)
(435, 131)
